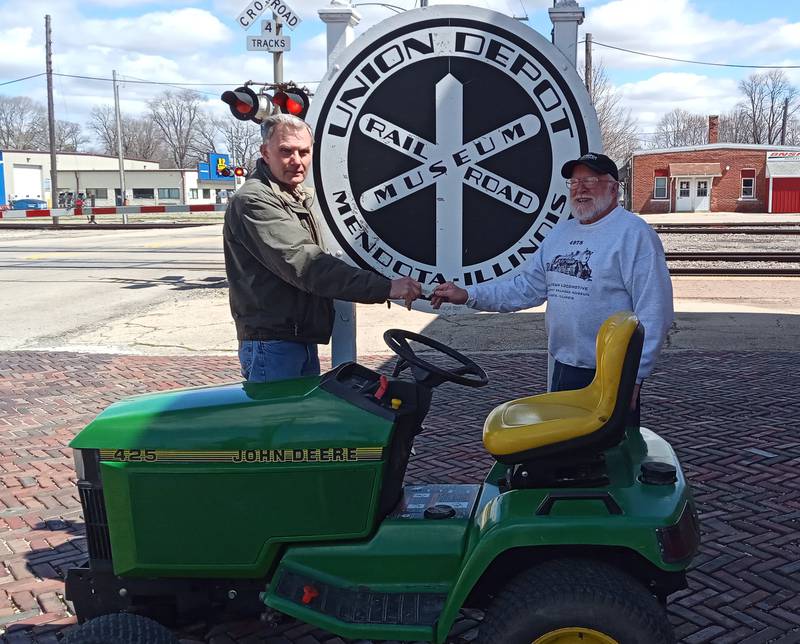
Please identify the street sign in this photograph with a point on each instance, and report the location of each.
(268, 28)
(278, 7)
(273, 43)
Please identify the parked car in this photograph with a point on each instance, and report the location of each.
(28, 204)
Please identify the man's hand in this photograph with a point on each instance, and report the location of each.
(448, 292)
(405, 288)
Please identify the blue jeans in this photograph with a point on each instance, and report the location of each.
(268, 360)
(567, 377)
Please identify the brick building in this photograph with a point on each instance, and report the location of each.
(717, 177)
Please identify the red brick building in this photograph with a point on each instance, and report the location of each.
(717, 177)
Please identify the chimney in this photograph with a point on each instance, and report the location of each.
(713, 129)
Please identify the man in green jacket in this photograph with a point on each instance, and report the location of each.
(281, 282)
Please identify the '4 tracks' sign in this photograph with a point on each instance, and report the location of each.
(439, 143)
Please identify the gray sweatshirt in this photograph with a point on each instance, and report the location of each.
(587, 272)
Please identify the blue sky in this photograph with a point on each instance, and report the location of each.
(185, 41)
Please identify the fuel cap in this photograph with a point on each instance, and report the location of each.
(658, 473)
(440, 511)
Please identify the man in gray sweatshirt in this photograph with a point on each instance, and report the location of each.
(604, 260)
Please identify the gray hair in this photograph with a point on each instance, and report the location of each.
(272, 123)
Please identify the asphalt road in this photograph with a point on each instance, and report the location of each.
(60, 286)
(163, 292)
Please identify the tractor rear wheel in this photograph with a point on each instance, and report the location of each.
(574, 601)
(120, 628)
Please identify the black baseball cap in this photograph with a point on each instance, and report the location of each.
(597, 162)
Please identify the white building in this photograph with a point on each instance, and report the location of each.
(96, 177)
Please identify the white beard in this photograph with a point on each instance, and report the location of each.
(588, 211)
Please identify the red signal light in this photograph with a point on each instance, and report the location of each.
(242, 102)
(239, 171)
(294, 101)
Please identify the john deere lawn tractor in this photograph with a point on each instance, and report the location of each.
(288, 498)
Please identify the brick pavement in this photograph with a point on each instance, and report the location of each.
(732, 416)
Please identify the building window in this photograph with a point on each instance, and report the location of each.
(192, 193)
(169, 193)
(144, 193)
(702, 188)
(206, 193)
(748, 184)
(684, 189)
(98, 193)
(660, 188)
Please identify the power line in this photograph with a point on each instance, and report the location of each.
(693, 62)
(18, 80)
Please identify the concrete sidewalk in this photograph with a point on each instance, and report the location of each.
(748, 313)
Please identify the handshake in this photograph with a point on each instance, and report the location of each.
(408, 290)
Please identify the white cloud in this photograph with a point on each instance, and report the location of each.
(651, 98)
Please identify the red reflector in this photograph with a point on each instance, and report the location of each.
(309, 593)
(681, 540)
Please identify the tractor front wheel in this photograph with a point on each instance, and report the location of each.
(119, 628)
(575, 601)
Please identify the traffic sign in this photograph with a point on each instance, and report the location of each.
(269, 43)
(278, 7)
(268, 28)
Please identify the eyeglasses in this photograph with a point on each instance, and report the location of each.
(588, 182)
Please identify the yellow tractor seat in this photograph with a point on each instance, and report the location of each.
(588, 419)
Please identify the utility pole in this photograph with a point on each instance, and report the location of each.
(277, 56)
(785, 117)
(51, 117)
(587, 74)
(119, 147)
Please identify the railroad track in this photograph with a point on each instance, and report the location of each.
(725, 259)
(727, 229)
(734, 272)
(741, 256)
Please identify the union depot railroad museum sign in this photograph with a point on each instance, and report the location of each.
(440, 136)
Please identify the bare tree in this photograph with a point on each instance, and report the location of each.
(69, 136)
(176, 115)
(764, 97)
(103, 125)
(619, 130)
(141, 137)
(207, 134)
(793, 131)
(242, 140)
(680, 128)
(23, 123)
(734, 126)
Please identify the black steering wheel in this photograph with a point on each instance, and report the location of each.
(425, 373)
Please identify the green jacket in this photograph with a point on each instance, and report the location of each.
(281, 283)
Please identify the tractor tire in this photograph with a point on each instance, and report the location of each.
(120, 628)
(573, 600)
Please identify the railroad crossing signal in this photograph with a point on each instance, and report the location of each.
(246, 105)
(292, 101)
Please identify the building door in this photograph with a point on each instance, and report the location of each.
(693, 194)
(683, 198)
(27, 181)
(702, 197)
(785, 195)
